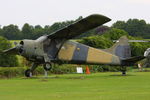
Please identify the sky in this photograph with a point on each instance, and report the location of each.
(46, 12)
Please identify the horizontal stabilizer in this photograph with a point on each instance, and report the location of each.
(134, 59)
(133, 41)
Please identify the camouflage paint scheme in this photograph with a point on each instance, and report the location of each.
(73, 52)
(118, 54)
(55, 48)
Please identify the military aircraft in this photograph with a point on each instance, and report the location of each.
(55, 48)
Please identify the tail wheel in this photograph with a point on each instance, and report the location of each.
(123, 73)
(28, 73)
(123, 70)
(47, 66)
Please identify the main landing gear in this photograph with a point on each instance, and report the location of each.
(29, 72)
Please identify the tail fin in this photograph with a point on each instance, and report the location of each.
(121, 48)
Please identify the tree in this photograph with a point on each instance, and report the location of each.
(59, 25)
(11, 32)
(114, 33)
(101, 29)
(1, 32)
(119, 25)
(97, 41)
(38, 31)
(5, 59)
(27, 31)
(134, 27)
(105, 40)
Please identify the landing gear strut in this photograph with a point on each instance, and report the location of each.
(29, 72)
(47, 67)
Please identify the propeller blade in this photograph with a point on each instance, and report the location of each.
(11, 51)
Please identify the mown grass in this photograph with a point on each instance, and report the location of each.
(99, 86)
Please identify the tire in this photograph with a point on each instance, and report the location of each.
(28, 73)
(124, 73)
(47, 66)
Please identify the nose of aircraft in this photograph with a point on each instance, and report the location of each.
(18, 49)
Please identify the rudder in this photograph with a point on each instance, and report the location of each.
(121, 48)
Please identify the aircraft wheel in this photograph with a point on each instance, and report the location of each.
(28, 73)
(47, 66)
(124, 73)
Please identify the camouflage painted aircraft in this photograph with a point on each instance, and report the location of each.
(55, 48)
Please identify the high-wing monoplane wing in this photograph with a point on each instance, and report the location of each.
(80, 27)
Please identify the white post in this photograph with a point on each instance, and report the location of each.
(45, 73)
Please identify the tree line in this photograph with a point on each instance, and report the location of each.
(12, 32)
(106, 41)
(98, 41)
(100, 37)
(133, 27)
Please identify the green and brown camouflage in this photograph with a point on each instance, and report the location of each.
(118, 54)
(55, 48)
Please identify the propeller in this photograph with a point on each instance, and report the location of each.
(18, 49)
(146, 62)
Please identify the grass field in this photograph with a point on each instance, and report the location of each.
(99, 86)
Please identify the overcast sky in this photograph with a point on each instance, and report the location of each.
(46, 12)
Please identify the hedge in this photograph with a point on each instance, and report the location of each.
(9, 72)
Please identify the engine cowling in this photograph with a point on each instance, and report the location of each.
(147, 53)
(31, 49)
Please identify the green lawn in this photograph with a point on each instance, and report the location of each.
(99, 86)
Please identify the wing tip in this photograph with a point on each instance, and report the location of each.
(100, 16)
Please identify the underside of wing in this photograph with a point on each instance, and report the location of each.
(79, 27)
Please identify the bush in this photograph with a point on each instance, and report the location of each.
(6, 60)
(97, 42)
(104, 68)
(9, 72)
